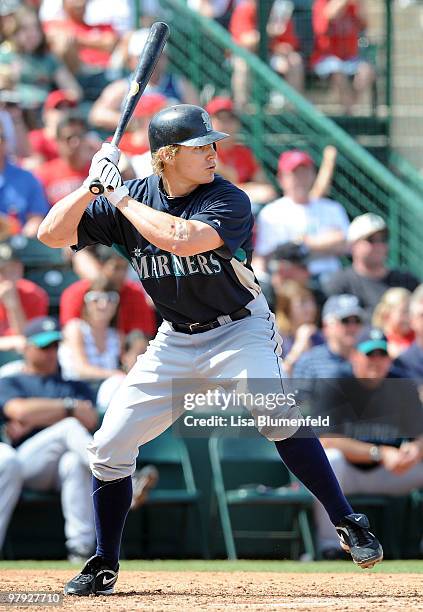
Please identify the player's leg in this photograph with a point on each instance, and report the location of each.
(141, 410)
(255, 357)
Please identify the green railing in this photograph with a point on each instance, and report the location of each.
(202, 51)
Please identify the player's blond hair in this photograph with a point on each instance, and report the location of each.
(158, 158)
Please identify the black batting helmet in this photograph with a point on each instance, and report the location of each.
(183, 124)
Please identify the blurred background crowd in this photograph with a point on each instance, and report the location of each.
(347, 305)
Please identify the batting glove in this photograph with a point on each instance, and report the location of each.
(109, 176)
(107, 151)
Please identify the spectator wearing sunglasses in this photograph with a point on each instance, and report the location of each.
(369, 275)
(65, 173)
(342, 319)
(91, 345)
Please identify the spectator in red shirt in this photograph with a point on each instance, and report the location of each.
(236, 161)
(135, 309)
(81, 45)
(66, 173)
(337, 26)
(20, 299)
(43, 140)
(283, 46)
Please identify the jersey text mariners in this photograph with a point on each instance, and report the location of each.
(197, 288)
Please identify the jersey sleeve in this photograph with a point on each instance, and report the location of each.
(230, 215)
(97, 224)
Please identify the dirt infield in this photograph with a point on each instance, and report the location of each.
(186, 591)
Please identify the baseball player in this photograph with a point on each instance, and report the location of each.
(187, 233)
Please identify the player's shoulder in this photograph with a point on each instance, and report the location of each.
(138, 188)
(223, 190)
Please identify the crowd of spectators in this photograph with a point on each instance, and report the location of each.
(64, 70)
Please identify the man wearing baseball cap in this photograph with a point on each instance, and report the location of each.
(48, 421)
(43, 140)
(342, 318)
(376, 427)
(369, 275)
(317, 222)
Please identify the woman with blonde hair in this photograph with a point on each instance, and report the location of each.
(296, 314)
(391, 315)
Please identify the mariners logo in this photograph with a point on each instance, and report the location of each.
(207, 121)
(168, 264)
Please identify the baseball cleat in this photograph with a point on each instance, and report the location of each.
(96, 578)
(356, 539)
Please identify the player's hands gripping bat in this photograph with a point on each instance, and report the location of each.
(159, 33)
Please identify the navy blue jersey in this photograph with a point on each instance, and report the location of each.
(197, 288)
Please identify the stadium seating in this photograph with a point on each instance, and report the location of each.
(258, 455)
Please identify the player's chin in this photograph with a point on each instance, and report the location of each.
(208, 176)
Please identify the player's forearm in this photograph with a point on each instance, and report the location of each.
(59, 227)
(163, 230)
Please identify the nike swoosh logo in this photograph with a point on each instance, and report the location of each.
(357, 519)
(107, 581)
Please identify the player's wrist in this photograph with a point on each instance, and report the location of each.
(117, 196)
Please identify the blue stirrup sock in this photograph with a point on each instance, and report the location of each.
(305, 457)
(111, 501)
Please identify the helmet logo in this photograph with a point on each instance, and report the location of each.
(207, 122)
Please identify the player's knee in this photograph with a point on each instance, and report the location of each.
(107, 463)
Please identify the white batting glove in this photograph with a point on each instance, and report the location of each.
(109, 176)
(107, 151)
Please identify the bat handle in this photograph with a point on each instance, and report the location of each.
(96, 187)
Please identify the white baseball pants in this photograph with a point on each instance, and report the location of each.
(147, 402)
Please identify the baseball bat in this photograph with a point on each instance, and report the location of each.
(157, 37)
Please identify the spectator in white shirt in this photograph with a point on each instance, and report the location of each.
(319, 223)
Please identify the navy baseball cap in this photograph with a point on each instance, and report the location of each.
(43, 331)
(372, 339)
(291, 251)
(342, 306)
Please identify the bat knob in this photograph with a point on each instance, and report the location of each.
(96, 187)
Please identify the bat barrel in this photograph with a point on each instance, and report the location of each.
(157, 37)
